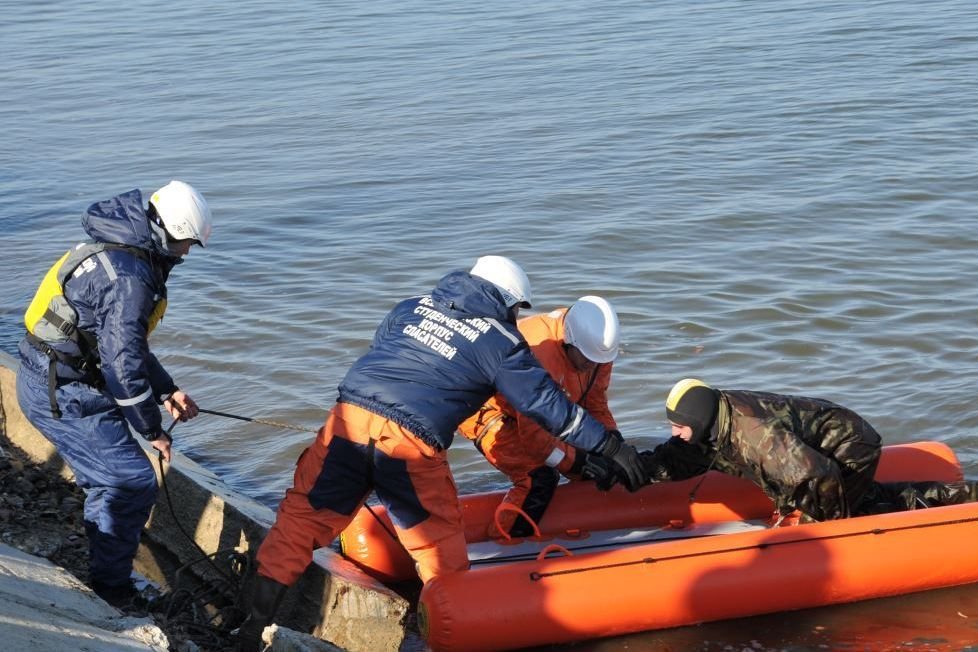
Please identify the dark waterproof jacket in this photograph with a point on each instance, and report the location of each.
(436, 359)
(805, 453)
(114, 294)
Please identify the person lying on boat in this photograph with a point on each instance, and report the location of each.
(433, 360)
(577, 347)
(807, 454)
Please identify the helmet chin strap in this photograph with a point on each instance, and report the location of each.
(159, 234)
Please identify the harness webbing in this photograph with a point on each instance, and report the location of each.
(88, 363)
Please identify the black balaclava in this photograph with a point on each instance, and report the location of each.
(693, 403)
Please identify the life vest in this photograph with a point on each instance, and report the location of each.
(51, 319)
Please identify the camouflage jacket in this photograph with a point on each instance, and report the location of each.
(798, 450)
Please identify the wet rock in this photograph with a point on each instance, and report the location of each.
(45, 544)
(34, 474)
(42, 514)
(23, 485)
(70, 505)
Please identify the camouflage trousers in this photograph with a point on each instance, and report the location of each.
(884, 497)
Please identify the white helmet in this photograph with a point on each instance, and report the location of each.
(183, 211)
(508, 277)
(591, 325)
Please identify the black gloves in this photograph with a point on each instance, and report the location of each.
(160, 433)
(630, 469)
(602, 470)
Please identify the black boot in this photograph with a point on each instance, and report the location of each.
(119, 596)
(543, 482)
(265, 598)
(955, 493)
(921, 495)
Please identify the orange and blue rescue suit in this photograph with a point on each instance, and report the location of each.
(434, 360)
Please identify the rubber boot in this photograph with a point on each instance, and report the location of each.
(921, 495)
(937, 494)
(119, 596)
(543, 482)
(266, 595)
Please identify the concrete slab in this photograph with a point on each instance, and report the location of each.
(43, 607)
(282, 639)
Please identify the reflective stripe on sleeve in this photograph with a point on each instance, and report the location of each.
(124, 402)
(555, 458)
(502, 329)
(107, 264)
(574, 424)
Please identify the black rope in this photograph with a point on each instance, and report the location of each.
(277, 424)
(173, 514)
(180, 600)
(371, 447)
(381, 521)
(696, 489)
(757, 546)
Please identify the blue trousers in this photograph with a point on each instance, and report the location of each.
(94, 440)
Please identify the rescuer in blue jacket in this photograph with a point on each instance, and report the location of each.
(88, 380)
(435, 359)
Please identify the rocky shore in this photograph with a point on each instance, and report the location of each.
(41, 514)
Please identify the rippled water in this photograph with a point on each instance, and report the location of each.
(776, 196)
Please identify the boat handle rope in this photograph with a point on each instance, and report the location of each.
(537, 576)
(554, 547)
(510, 507)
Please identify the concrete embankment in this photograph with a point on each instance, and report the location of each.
(43, 607)
(333, 600)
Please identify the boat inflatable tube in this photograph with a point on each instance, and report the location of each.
(578, 508)
(561, 597)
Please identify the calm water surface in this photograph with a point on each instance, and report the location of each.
(775, 196)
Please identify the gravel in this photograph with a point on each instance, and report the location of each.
(41, 514)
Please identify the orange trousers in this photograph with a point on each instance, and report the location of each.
(354, 453)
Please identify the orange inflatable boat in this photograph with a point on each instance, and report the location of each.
(614, 563)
